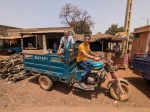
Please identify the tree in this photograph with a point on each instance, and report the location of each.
(80, 27)
(80, 20)
(113, 29)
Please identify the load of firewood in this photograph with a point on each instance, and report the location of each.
(12, 68)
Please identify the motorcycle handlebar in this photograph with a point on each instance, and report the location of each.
(102, 57)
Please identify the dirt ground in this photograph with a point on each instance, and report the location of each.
(26, 95)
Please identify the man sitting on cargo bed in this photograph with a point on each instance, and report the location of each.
(85, 55)
(66, 39)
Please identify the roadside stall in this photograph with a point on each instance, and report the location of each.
(120, 53)
(10, 45)
(42, 41)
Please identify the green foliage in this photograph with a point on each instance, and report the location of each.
(113, 29)
(81, 27)
(131, 37)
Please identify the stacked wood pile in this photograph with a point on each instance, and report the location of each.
(12, 68)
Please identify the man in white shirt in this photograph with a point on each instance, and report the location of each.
(66, 39)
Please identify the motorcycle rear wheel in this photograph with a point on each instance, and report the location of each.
(115, 93)
(45, 82)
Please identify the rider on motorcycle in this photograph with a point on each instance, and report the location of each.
(85, 56)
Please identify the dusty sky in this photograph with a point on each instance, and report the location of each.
(45, 13)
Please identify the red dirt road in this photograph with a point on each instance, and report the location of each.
(27, 96)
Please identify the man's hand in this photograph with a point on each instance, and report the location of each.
(59, 53)
(96, 58)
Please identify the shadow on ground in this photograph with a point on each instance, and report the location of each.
(140, 84)
(34, 79)
(65, 89)
(91, 94)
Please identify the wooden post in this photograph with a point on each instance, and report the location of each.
(102, 45)
(22, 42)
(44, 43)
(36, 41)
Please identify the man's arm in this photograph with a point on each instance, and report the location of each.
(87, 55)
(60, 46)
(72, 40)
(91, 57)
(93, 54)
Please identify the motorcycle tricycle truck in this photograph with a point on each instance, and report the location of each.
(52, 67)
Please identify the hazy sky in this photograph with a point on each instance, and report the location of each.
(45, 13)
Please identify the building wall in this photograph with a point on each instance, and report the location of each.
(141, 44)
(149, 46)
(4, 30)
(142, 41)
(142, 29)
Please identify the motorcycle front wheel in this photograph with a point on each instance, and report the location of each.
(116, 94)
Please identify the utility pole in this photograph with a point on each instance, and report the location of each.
(147, 20)
(127, 22)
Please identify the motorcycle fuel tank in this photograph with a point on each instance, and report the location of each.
(96, 65)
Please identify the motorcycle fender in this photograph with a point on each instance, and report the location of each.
(113, 81)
